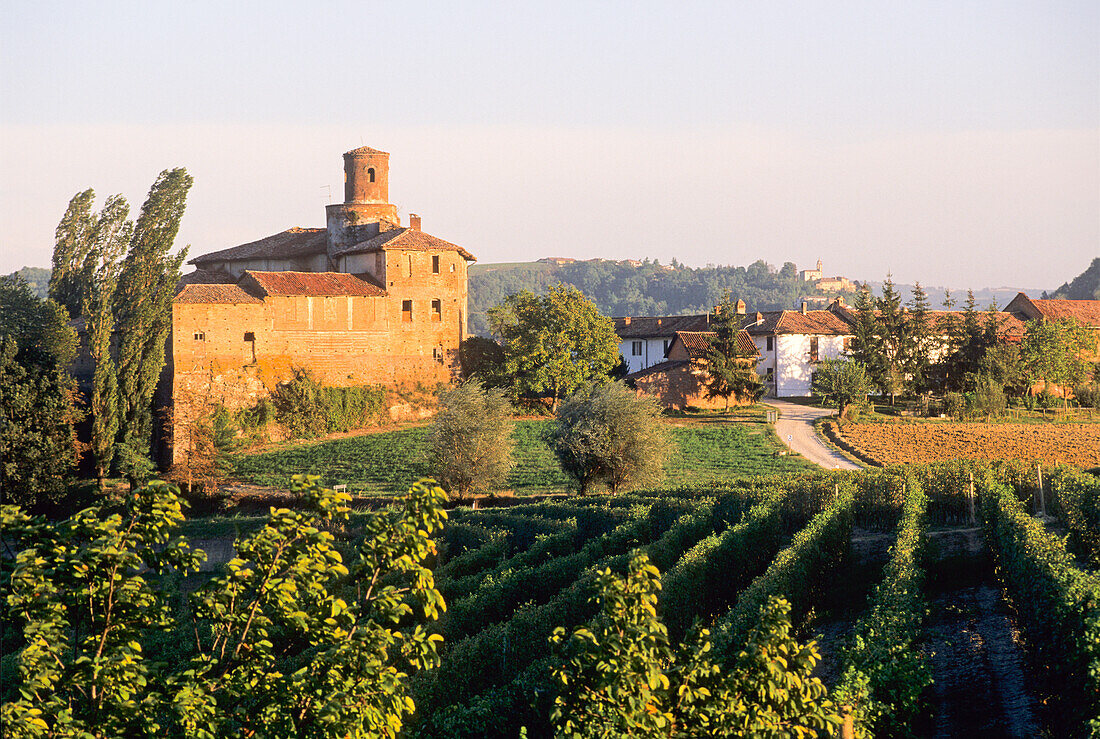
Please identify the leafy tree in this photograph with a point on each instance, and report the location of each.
(290, 641)
(143, 304)
(620, 676)
(470, 441)
(841, 382)
(107, 240)
(607, 433)
(38, 446)
(481, 358)
(730, 372)
(555, 342)
(1052, 353)
(73, 241)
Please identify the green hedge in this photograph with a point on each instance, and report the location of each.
(885, 675)
(1077, 496)
(1057, 602)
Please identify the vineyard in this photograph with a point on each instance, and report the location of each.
(510, 576)
(918, 443)
(388, 462)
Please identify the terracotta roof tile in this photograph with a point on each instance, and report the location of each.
(205, 277)
(657, 327)
(668, 364)
(407, 239)
(698, 343)
(1083, 311)
(820, 322)
(292, 243)
(207, 293)
(312, 283)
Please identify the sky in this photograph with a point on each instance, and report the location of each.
(953, 143)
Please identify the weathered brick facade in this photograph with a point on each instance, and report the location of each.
(363, 301)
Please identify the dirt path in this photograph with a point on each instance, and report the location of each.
(796, 429)
(980, 686)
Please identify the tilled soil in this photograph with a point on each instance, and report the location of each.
(980, 686)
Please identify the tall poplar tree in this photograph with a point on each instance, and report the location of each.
(143, 307)
(73, 239)
(101, 270)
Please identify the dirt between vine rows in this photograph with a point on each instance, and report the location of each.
(916, 443)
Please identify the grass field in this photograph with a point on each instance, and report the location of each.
(384, 463)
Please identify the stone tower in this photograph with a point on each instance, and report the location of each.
(366, 210)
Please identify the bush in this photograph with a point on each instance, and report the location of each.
(1088, 396)
(987, 399)
(954, 405)
(606, 433)
(307, 409)
(470, 443)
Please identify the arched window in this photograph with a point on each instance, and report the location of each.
(370, 174)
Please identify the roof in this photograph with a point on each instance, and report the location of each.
(1082, 311)
(819, 322)
(657, 327)
(366, 150)
(289, 244)
(312, 283)
(698, 343)
(205, 277)
(206, 293)
(668, 364)
(1008, 325)
(404, 238)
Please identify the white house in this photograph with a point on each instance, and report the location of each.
(791, 343)
(645, 341)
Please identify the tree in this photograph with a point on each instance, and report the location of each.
(106, 241)
(143, 305)
(553, 343)
(607, 433)
(841, 382)
(730, 370)
(620, 676)
(892, 340)
(920, 340)
(470, 441)
(38, 413)
(865, 343)
(1052, 351)
(73, 240)
(289, 641)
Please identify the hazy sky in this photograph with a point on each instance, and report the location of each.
(955, 143)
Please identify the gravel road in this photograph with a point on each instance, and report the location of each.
(797, 422)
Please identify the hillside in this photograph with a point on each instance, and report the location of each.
(646, 288)
(1085, 286)
(37, 278)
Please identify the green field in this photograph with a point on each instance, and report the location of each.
(388, 462)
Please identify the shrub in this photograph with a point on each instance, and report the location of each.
(987, 399)
(307, 409)
(470, 443)
(1088, 396)
(606, 433)
(954, 405)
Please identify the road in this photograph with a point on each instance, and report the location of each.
(797, 421)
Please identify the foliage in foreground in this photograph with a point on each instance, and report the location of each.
(289, 641)
(608, 434)
(620, 675)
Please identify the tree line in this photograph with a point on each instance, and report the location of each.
(110, 293)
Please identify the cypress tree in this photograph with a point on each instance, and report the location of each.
(143, 307)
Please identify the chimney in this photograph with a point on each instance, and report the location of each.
(414, 221)
(740, 307)
(759, 316)
(626, 321)
(803, 307)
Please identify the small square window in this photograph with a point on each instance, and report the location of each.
(407, 311)
(636, 348)
(249, 336)
(437, 310)
(435, 264)
(200, 336)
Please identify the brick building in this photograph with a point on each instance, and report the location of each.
(362, 301)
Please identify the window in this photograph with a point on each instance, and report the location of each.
(813, 348)
(667, 344)
(200, 336)
(437, 310)
(435, 264)
(249, 336)
(452, 267)
(370, 174)
(770, 374)
(406, 311)
(437, 354)
(770, 344)
(636, 348)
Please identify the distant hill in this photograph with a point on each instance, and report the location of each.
(983, 297)
(1085, 286)
(37, 278)
(643, 288)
